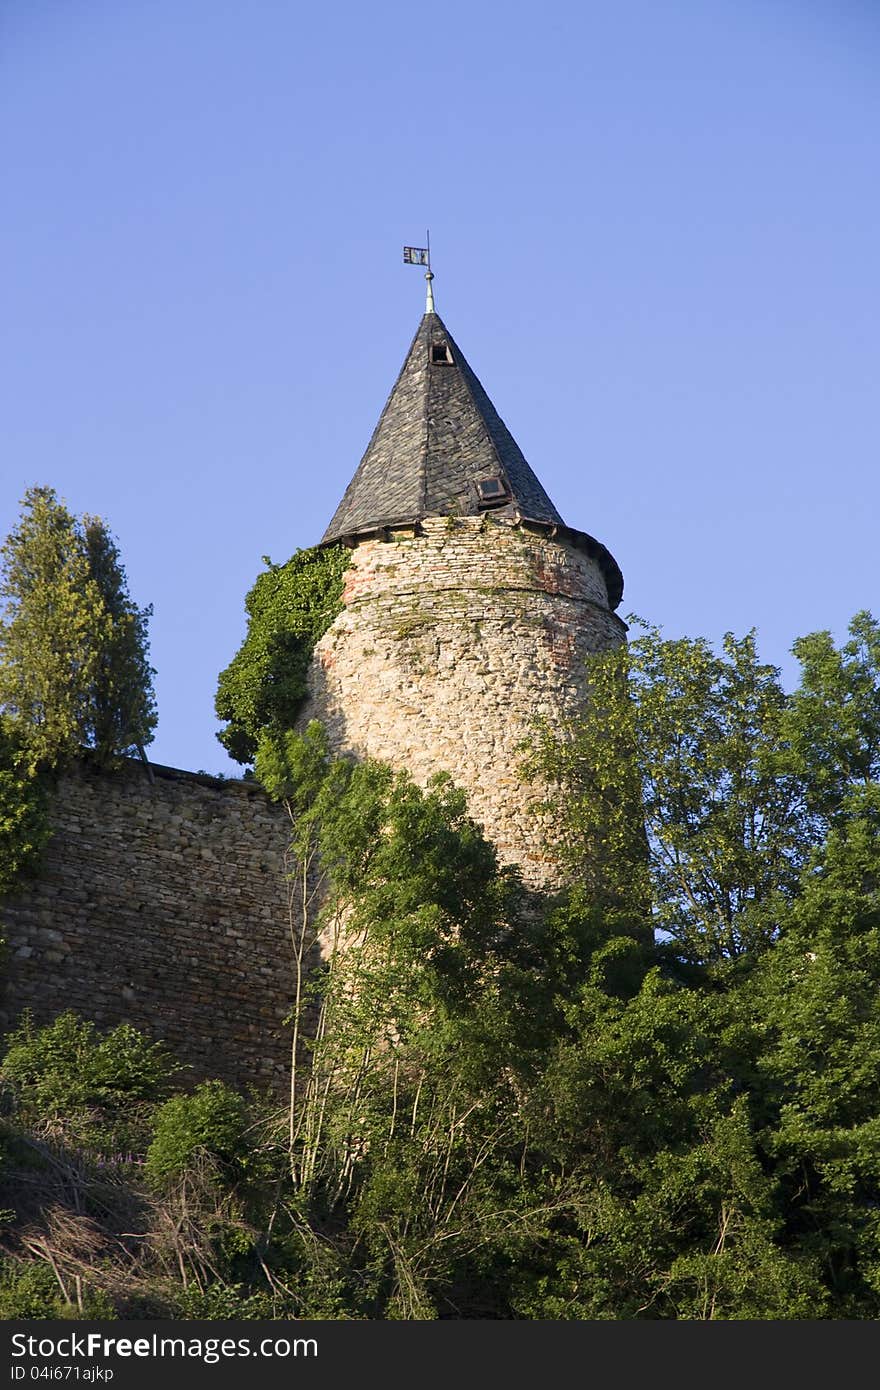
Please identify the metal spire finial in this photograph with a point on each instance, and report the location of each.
(429, 277)
(421, 255)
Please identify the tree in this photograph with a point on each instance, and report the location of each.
(122, 707)
(52, 630)
(721, 1145)
(678, 770)
(73, 650)
(816, 1002)
(666, 1205)
(833, 721)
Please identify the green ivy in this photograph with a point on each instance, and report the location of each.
(289, 608)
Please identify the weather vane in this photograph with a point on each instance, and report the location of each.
(421, 255)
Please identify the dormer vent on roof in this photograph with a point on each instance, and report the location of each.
(492, 492)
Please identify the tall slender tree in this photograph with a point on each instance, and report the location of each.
(121, 711)
(73, 647)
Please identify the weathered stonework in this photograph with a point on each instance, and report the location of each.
(163, 904)
(456, 637)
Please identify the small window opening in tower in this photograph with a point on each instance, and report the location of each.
(440, 352)
(491, 491)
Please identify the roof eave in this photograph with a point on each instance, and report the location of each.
(611, 571)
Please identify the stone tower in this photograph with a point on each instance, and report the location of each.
(469, 604)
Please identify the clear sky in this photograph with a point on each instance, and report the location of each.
(655, 229)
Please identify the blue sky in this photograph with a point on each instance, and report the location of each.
(655, 230)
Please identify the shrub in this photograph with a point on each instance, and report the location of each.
(219, 1302)
(98, 1087)
(30, 1290)
(68, 1063)
(212, 1123)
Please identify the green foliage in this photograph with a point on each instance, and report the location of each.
(52, 629)
(526, 1102)
(224, 1302)
(665, 1205)
(210, 1123)
(404, 894)
(121, 708)
(817, 1007)
(28, 1291)
(95, 1088)
(31, 1290)
(68, 1063)
(24, 827)
(833, 724)
(504, 1107)
(721, 1145)
(400, 860)
(698, 740)
(73, 666)
(289, 608)
(403, 875)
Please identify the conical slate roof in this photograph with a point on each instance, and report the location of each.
(441, 449)
(437, 437)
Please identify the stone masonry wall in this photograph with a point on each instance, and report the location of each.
(162, 904)
(450, 645)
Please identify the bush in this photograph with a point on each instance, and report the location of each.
(210, 1123)
(30, 1290)
(98, 1086)
(219, 1302)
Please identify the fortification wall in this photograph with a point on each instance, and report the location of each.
(452, 642)
(163, 904)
